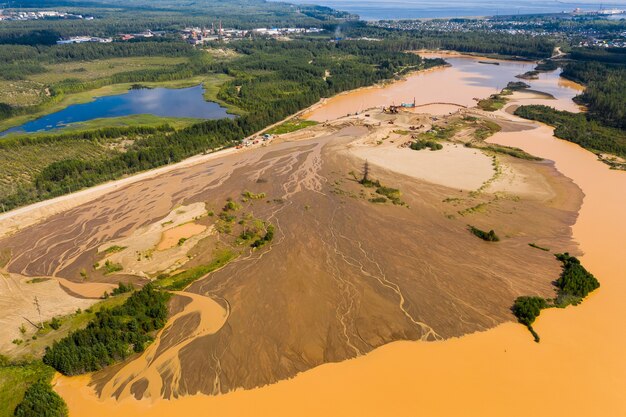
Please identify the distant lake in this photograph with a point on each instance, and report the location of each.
(165, 102)
(415, 9)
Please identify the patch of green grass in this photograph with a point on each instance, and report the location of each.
(37, 280)
(252, 196)
(478, 208)
(493, 103)
(514, 152)
(132, 120)
(183, 279)
(486, 129)
(439, 133)
(111, 267)
(5, 256)
(114, 249)
(78, 320)
(291, 126)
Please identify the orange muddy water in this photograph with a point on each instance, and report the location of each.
(578, 369)
(448, 88)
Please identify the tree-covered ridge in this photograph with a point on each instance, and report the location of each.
(112, 336)
(481, 42)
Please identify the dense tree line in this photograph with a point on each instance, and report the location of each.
(579, 128)
(478, 41)
(90, 135)
(93, 51)
(112, 336)
(605, 92)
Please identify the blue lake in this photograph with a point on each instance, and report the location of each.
(165, 102)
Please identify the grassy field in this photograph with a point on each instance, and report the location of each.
(15, 378)
(21, 92)
(291, 126)
(133, 120)
(92, 70)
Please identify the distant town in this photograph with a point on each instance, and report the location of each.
(537, 25)
(8, 15)
(198, 36)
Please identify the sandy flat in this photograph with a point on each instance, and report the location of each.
(453, 166)
(16, 303)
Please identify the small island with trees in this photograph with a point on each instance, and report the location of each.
(573, 285)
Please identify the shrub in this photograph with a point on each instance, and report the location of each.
(489, 236)
(575, 281)
(527, 309)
